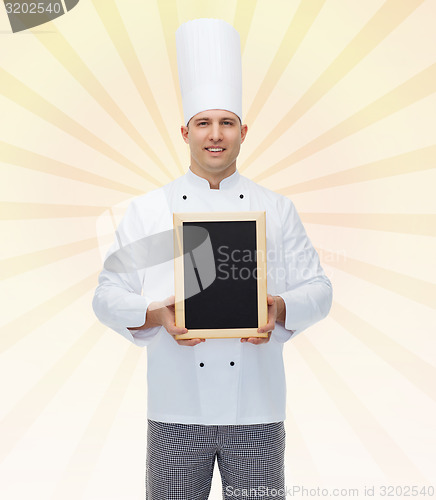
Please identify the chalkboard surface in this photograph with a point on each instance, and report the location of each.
(231, 300)
(222, 283)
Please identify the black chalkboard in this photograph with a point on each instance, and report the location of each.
(231, 300)
(221, 289)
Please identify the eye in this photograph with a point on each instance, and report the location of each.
(201, 124)
(228, 123)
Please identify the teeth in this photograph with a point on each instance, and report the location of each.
(215, 149)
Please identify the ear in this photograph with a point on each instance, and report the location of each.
(184, 130)
(244, 130)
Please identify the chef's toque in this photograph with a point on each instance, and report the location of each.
(209, 63)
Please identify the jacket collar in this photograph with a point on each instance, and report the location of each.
(229, 182)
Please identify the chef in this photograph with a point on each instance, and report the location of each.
(220, 399)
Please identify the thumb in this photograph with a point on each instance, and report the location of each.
(169, 301)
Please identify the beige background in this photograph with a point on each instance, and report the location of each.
(339, 100)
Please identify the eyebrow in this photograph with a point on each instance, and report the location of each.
(206, 118)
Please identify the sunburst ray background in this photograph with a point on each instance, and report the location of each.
(339, 97)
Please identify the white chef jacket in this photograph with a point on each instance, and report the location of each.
(219, 381)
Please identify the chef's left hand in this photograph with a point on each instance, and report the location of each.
(269, 327)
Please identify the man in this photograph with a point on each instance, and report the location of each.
(220, 398)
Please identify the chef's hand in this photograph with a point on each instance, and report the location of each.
(163, 314)
(276, 312)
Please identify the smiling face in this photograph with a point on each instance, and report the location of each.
(214, 137)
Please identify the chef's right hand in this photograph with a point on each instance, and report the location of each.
(163, 314)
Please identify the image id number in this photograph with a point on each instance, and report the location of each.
(406, 491)
(33, 8)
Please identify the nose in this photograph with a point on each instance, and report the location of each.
(215, 132)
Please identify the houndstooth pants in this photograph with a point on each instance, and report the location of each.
(181, 457)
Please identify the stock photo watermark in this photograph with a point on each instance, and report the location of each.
(240, 264)
(25, 14)
(299, 491)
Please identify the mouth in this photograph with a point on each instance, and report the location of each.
(215, 150)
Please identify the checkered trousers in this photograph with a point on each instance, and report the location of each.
(181, 457)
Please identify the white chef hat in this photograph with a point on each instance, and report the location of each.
(209, 62)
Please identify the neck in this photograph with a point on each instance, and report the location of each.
(213, 179)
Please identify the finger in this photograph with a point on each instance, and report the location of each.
(190, 342)
(267, 328)
(270, 300)
(176, 330)
(257, 340)
(169, 301)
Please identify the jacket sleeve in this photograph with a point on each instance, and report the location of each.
(118, 301)
(308, 295)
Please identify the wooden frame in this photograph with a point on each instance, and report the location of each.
(179, 220)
